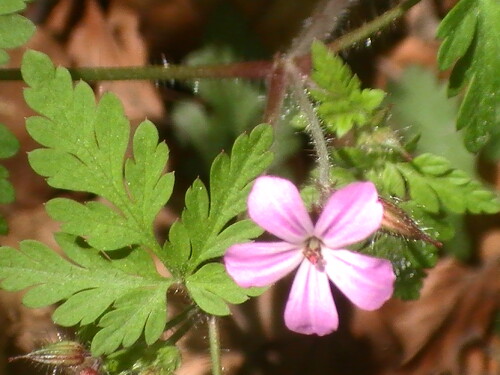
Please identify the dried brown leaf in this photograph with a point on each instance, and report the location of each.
(446, 330)
(113, 40)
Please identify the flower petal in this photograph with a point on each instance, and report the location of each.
(275, 204)
(310, 308)
(350, 215)
(261, 263)
(367, 281)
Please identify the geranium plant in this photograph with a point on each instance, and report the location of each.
(369, 217)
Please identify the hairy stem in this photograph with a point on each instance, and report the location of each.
(213, 335)
(314, 128)
(318, 27)
(249, 70)
(370, 28)
(276, 91)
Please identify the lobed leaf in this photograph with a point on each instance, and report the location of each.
(123, 300)
(205, 232)
(470, 34)
(85, 150)
(431, 180)
(434, 184)
(342, 104)
(15, 30)
(230, 182)
(210, 286)
(8, 147)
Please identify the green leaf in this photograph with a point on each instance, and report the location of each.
(392, 181)
(210, 286)
(206, 217)
(85, 145)
(6, 188)
(8, 143)
(342, 104)
(470, 34)
(159, 358)
(15, 30)
(134, 312)
(433, 184)
(409, 259)
(435, 119)
(208, 301)
(8, 147)
(205, 231)
(123, 301)
(432, 165)
(177, 249)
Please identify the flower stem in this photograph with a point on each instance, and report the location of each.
(213, 334)
(314, 127)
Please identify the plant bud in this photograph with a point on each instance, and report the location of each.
(62, 353)
(397, 222)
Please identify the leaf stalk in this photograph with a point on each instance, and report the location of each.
(213, 334)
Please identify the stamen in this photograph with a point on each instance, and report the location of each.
(312, 252)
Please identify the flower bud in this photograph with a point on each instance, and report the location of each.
(397, 222)
(62, 353)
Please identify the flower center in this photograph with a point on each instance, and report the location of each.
(312, 252)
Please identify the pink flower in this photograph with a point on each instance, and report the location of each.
(318, 249)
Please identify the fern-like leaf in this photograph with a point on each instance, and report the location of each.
(471, 34)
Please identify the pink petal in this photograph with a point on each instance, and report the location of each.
(367, 281)
(261, 263)
(351, 214)
(310, 308)
(275, 204)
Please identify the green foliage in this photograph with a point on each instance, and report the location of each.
(85, 151)
(203, 232)
(125, 297)
(470, 34)
(341, 103)
(15, 30)
(8, 143)
(204, 228)
(409, 259)
(211, 287)
(427, 189)
(8, 147)
(428, 179)
(229, 107)
(159, 358)
(433, 184)
(433, 122)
